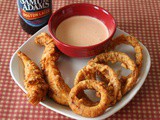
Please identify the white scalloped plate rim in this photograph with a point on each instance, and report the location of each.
(16, 66)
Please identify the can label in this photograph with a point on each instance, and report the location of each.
(35, 12)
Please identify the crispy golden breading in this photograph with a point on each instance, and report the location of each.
(109, 89)
(111, 79)
(77, 105)
(126, 62)
(85, 73)
(34, 81)
(59, 91)
(129, 40)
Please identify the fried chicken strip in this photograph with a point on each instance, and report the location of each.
(34, 81)
(59, 91)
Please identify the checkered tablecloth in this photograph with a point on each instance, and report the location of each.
(140, 18)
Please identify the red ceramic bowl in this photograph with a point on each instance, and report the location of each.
(87, 10)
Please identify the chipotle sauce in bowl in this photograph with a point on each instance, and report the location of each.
(93, 13)
(82, 31)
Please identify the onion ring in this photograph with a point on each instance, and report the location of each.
(129, 40)
(127, 63)
(89, 72)
(77, 105)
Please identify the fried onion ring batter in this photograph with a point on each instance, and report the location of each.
(77, 105)
(129, 40)
(126, 62)
(113, 84)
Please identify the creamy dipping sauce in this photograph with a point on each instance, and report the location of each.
(82, 31)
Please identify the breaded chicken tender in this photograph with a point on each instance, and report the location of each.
(58, 90)
(34, 81)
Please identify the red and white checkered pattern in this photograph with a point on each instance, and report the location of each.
(140, 18)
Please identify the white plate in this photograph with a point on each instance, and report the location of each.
(69, 67)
